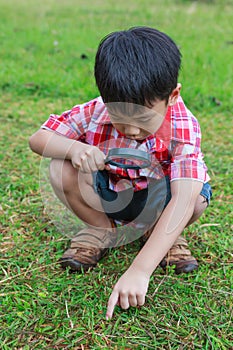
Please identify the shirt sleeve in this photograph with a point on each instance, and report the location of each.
(187, 159)
(72, 123)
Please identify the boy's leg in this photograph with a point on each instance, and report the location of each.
(179, 255)
(76, 192)
(66, 182)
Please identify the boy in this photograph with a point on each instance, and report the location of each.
(140, 106)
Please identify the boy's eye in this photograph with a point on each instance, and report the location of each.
(128, 120)
(146, 120)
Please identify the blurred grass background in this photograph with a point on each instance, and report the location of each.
(47, 54)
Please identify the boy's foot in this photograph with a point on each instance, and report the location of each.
(87, 248)
(179, 255)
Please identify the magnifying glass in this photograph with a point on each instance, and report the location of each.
(128, 158)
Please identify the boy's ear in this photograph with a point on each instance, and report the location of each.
(174, 95)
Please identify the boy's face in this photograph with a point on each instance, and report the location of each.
(138, 122)
(143, 122)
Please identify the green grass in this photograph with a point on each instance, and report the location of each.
(41, 72)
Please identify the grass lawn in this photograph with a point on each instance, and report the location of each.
(42, 71)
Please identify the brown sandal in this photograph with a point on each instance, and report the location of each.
(87, 248)
(180, 256)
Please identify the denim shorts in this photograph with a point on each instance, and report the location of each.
(144, 206)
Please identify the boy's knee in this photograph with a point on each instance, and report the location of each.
(62, 174)
(200, 206)
(64, 177)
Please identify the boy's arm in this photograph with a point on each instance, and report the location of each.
(131, 288)
(50, 144)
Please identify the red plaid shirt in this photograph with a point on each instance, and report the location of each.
(174, 148)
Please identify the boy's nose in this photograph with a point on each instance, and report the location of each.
(131, 130)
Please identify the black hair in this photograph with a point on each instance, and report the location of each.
(138, 65)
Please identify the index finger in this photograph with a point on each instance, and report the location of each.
(100, 160)
(112, 302)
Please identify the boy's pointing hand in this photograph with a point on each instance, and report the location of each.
(130, 290)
